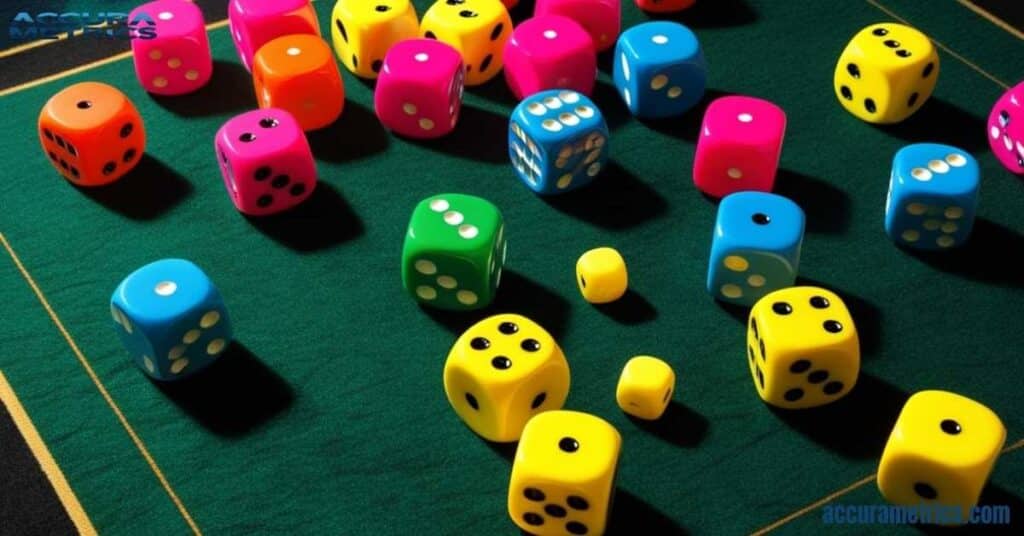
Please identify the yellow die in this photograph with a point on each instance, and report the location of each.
(478, 29)
(802, 348)
(941, 451)
(364, 30)
(563, 476)
(645, 387)
(501, 372)
(886, 73)
(601, 275)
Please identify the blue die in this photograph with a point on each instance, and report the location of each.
(171, 318)
(755, 248)
(933, 193)
(659, 69)
(557, 141)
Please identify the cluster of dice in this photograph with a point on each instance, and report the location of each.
(506, 377)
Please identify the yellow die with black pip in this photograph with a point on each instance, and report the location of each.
(886, 73)
(478, 29)
(501, 372)
(364, 30)
(563, 476)
(802, 348)
(941, 452)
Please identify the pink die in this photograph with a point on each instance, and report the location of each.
(1006, 129)
(602, 19)
(419, 89)
(178, 59)
(254, 23)
(550, 52)
(739, 146)
(265, 160)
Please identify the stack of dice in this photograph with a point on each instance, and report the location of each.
(292, 67)
(264, 157)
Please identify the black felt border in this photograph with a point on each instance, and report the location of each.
(28, 503)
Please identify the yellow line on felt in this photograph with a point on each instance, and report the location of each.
(102, 389)
(45, 459)
(835, 495)
(939, 44)
(991, 18)
(813, 506)
(86, 67)
(43, 42)
(29, 46)
(63, 74)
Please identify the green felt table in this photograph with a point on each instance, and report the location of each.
(327, 416)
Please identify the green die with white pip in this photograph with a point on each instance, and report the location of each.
(454, 251)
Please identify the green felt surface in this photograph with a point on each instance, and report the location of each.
(329, 416)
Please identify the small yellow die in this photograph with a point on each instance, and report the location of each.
(364, 30)
(886, 73)
(563, 476)
(645, 387)
(941, 451)
(601, 275)
(802, 348)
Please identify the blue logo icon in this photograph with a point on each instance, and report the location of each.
(102, 25)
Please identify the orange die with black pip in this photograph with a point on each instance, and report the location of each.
(91, 133)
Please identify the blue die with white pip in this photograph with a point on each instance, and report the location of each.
(659, 69)
(171, 319)
(933, 195)
(557, 141)
(755, 248)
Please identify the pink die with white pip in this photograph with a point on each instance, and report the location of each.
(254, 23)
(602, 19)
(266, 161)
(1006, 129)
(177, 60)
(739, 146)
(550, 52)
(419, 89)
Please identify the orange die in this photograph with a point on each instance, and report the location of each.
(297, 73)
(91, 133)
(663, 6)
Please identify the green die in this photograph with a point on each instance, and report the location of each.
(454, 252)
